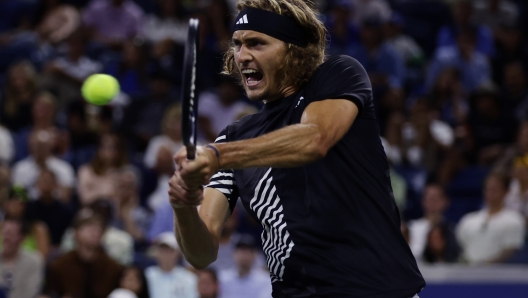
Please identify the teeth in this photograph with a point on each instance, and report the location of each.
(249, 71)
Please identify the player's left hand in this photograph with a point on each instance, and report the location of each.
(198, 171)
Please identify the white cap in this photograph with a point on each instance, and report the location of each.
(168, 239)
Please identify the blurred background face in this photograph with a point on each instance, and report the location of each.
(244, 258)
(18, 78)
(132, 280)
(127, 186)
(89, 235)
(44, 109)
(108, 149)
(466, 44)
(207, 285)
(514, 77)
(371, 36)
(494, 191)
(46, 183)
(434, 201)
(167, 256)
(11, 236)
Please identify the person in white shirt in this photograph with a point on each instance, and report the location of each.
(27, 171)
(245, 280)
(7, 146)
(493, 234)
(434, 204)
(167, 279)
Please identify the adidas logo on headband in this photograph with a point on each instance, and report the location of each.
(243, 20)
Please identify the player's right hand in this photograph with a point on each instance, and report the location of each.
(180, 195)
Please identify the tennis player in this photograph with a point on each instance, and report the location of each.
(309, 167)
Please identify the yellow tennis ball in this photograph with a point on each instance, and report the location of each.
(100, 89)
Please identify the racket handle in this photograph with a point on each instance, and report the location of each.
(191, 152)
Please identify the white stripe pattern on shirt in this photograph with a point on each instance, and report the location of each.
(276, 239)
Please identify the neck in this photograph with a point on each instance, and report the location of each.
(166, 268)
(87, 254)
(9, 256)
(494, 209)
(243, 271)
(434, 218)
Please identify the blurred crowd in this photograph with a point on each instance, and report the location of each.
(83, 189)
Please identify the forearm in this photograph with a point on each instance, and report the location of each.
(292, 146)
(503, 256)
(196, 241)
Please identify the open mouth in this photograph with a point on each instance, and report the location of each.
(252, 77)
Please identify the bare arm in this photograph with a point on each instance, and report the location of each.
(198, 231)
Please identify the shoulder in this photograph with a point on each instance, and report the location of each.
(338, 62)
(512, 217)
(24, 164)
(151, 271)
(186, 274)
(226, 275)
(59, 164)
(31, 259)
(471, 217)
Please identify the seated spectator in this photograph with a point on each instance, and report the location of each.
(133, 284)
(493, 234)
(48, 209)
(27, 171)
(462, 17)
(7, 146)
(245, 277)
(343, 32)
(441, 246)
(517, 197)
(158, 156)
(118, 244)
(448, 97)
(385, 67)
(112, 22)
(434, 204)
(21, 272)
(515, 93)
(167, 278)
(65, 74)
(473, 66)
(493, 13)
(518, 149)
(98, 178)
(403, 44)
(208, 286)
(130, 217)
(142, 118)
(511, 48)
(37, 238)
(168, 24)
(82, 138)
(86, 271)
(18, 96)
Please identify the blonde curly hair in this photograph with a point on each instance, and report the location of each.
(299, 63)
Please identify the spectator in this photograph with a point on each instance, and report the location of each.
(208, 286)
(473, 66)
(27, 171)
(517, 197)
(403, 44)
(448, 98)
(158, 156)
(119, 245)
(86, 271)
(65, 74)
(167, 278)
(21, 272)
(7, 146)
(434, 204)
(37, 238)
(220, 108)
(245, 277)
(82, 137)
(112, 22)
(18, 96)
(518, 149)
(133, 284)
(48, 209)
(98, 178)
(343, 32)
(142, 118)
(462, 19)
(511, 48)
(441, 246)
(56, 21)
(169, 24)
(515, 91)
(130, 217)
(493, 234)
(493, 13)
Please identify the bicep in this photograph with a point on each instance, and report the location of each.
(332, 118)
(214, 211)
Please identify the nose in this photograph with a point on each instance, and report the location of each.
(244, 55)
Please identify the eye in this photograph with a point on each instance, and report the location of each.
(237, 44)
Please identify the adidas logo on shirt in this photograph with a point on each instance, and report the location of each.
(243, 20)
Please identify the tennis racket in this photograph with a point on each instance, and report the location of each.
(188, 99)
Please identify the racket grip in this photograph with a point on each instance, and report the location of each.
(191, 152)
